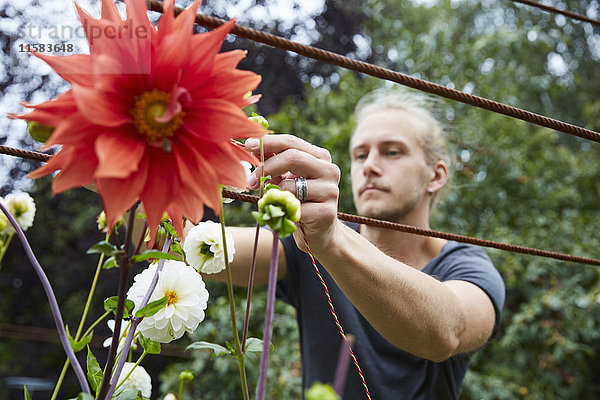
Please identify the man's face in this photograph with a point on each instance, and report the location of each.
(389, 173)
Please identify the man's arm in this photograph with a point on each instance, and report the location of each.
(414, 311)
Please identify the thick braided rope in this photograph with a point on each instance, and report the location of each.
(387, 74)
(31, 155)
(443, 235)
(559, 11)
(37, 156)
(334, 314)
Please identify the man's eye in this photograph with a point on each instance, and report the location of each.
(394, 152)
(360, 156)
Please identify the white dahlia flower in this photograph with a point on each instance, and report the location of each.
(22, 207)
(138, 380)
(204, 248)
(187, 296)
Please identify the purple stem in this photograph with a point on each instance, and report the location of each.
(341, 370)
(135, 322)
(60, 326)
(268, 328)
(250, 285)
(124, 268)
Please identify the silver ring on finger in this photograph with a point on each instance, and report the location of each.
(301, 189)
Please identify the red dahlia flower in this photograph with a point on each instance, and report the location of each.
(151, 115)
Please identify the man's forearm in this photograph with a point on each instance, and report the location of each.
(411, 309)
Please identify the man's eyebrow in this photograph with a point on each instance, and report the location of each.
(389, 142)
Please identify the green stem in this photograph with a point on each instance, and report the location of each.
(5, 247)
(262, 162)
(180, 394)
(86, 309)
(236, 338)
(96, 322)
(139, 360)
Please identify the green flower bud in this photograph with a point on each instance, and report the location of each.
(101, 221)
(279, 209)
(260, 119)
(39, 132)
(186, 376)
(320, 391)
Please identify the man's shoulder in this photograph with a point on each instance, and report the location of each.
(458, 259)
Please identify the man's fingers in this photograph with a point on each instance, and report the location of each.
(298, 163)
(274, 144)
(317, 190)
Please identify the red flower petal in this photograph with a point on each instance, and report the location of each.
(204, 48)
(226, 121)
(98, 108)
(76, 165)
(160, 187)
(109, 11)
(196, 173)
(74, 68)
(119, 195)
(73, 129)
(77, 171)
(118, 154)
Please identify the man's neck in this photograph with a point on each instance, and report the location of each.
(413, 250)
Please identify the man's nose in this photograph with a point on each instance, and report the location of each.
(372, 165)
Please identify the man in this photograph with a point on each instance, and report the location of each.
(418, 306)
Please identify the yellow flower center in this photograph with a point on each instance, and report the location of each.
(151, 106)
(172, 297)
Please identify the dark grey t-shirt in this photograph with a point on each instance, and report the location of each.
(390, 373)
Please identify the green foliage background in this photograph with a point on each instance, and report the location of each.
(512, 182)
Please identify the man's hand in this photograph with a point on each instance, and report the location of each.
(288, 157)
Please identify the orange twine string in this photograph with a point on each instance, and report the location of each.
(333, 313)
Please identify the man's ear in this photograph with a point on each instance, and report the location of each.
(439, 176)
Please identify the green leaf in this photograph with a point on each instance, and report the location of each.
(264, 179)
(149, 345)
(110, 304)
(110, 262)
(129, 394)
(26, 393)
(254, 345)
(155, 254)
(176, 248)
(81, 343)
(105, 247)
(170, 228)
(217, 349)
(152, 308)
(94, 372)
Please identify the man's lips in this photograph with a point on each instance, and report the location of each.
(372, 189)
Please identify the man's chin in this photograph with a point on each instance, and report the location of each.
(377, 213)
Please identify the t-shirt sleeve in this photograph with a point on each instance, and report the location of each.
(472, 264)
